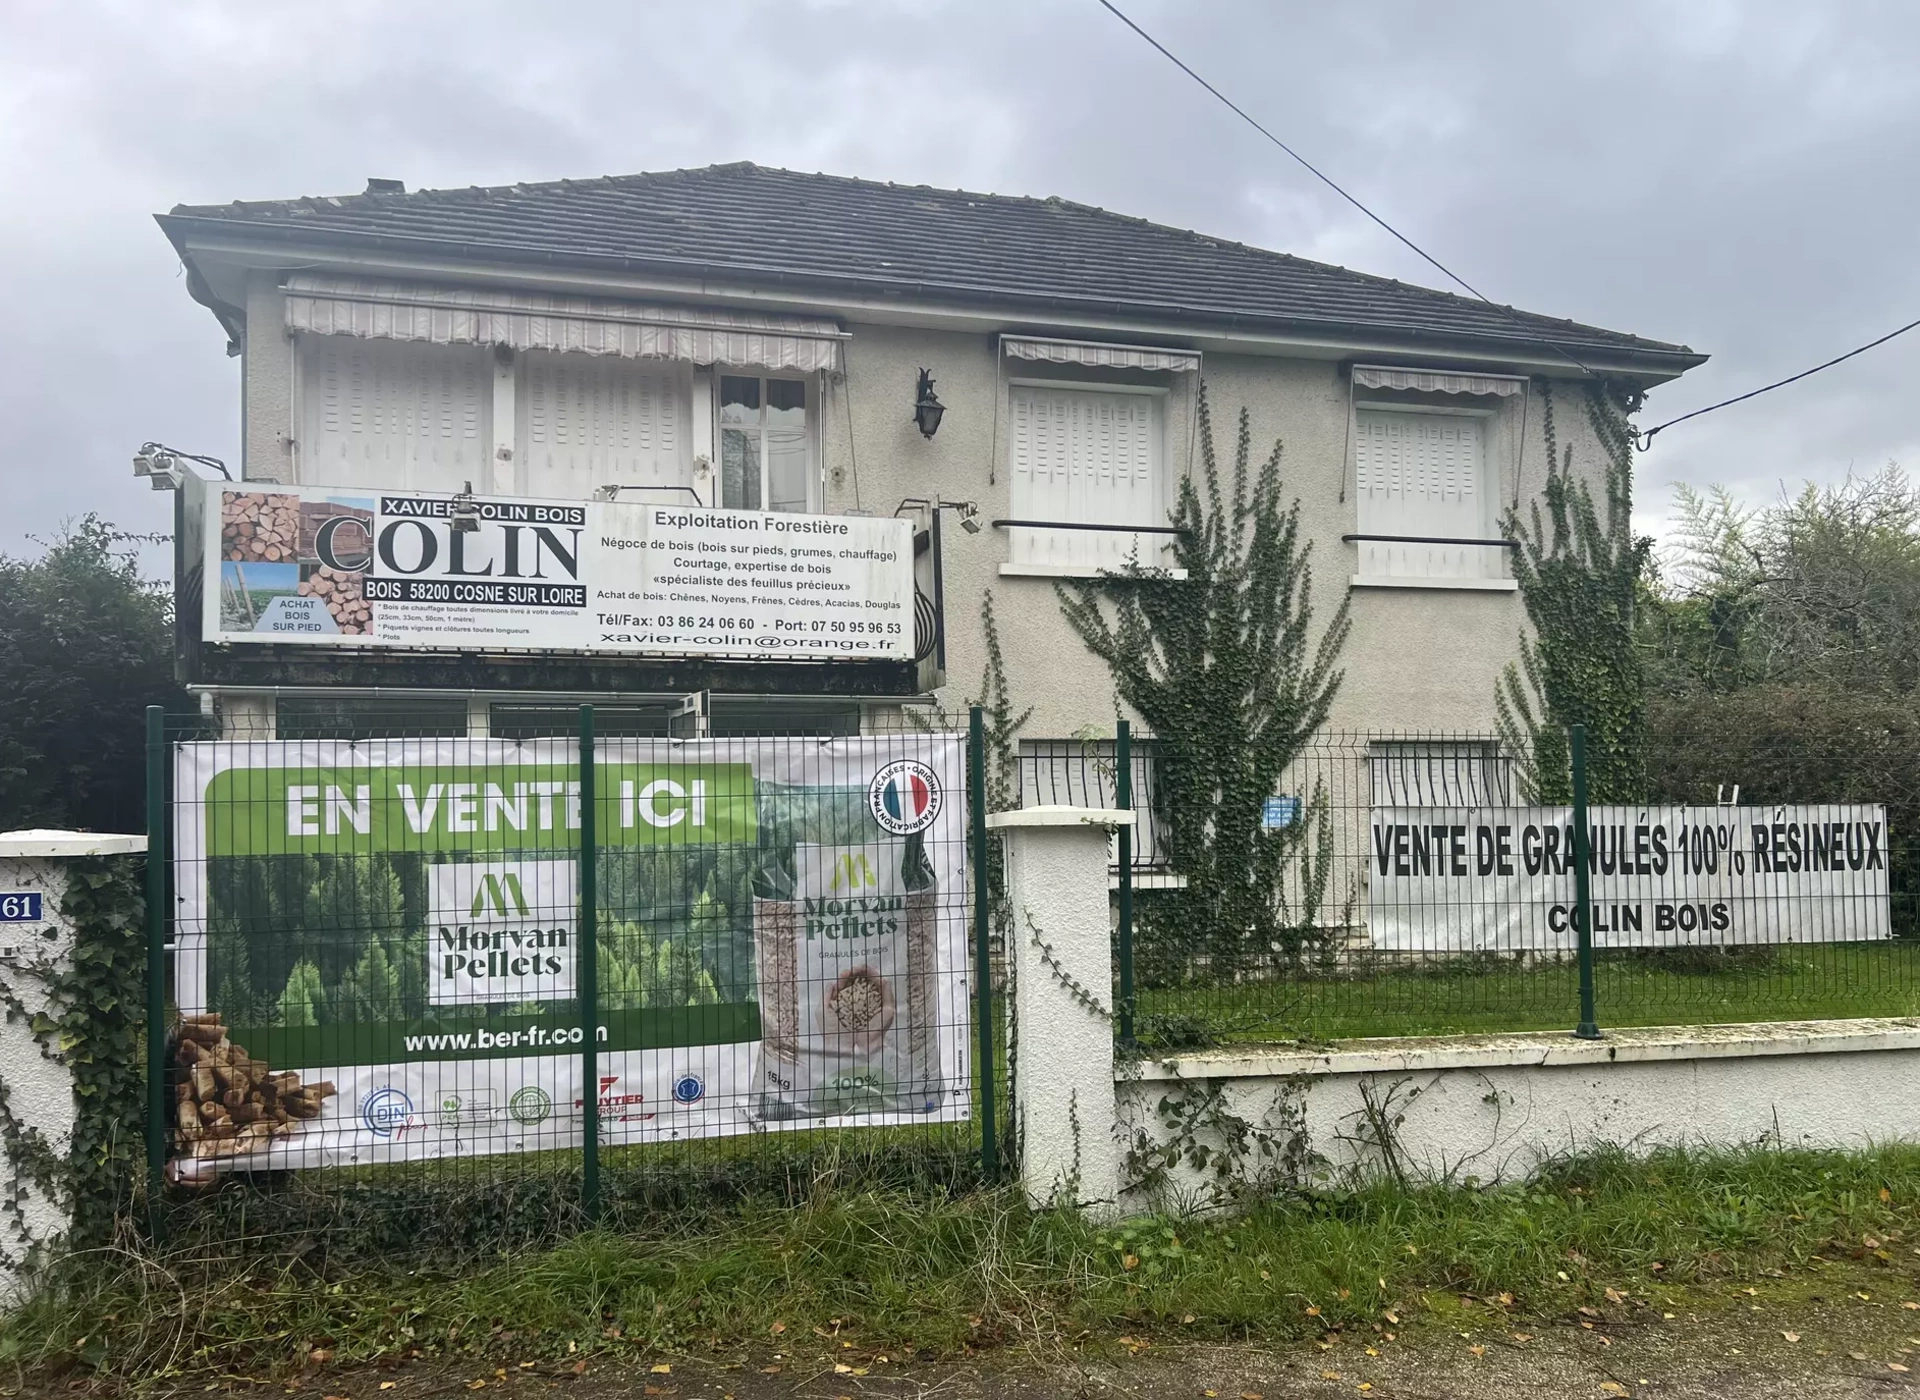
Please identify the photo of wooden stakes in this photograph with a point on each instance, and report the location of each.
(227, 1103)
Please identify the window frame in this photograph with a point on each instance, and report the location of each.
(1490, 494)
(809, 388)
(1162, 467)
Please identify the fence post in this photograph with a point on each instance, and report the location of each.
(588, 981)
(1123, 799)
(1589, 1028)
(156, 952)
(982, 947)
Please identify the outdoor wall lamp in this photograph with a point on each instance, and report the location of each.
(160, 464)
(927, 408)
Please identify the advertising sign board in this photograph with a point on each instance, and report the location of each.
(331, 567)
(1474, 879)
(781, 937)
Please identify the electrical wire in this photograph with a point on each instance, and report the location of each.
(1331, 184)
(1645, 440)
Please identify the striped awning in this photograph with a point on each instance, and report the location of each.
(1436, 381)
(381, 310)
(1099, 353)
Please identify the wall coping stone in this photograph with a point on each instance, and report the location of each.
(1544, 1049)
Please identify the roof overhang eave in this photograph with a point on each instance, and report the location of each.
(1650, 362)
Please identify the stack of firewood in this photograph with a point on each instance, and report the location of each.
(260, 525)
(226, 1103)
(341, 592)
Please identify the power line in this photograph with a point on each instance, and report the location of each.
(1646, 438)
(1642, 440)
(1331, 184)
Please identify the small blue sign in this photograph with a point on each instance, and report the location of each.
(1279, 811)
(20, 907)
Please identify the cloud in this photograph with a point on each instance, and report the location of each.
(1723, 174)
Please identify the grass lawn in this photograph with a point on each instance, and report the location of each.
(877, 1279)
(1643, 988)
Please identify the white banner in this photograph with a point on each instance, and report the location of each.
(782, 940)
(1472, 879)
(354, 568)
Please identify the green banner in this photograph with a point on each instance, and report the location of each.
(454, 807)
(500, 1037)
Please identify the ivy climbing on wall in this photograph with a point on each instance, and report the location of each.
(1231, 675)
(87, 1011)
(1579, 572)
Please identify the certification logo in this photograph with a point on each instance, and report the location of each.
(904, 797)
(385, 1111)
(530, 1105)
(689, 1088)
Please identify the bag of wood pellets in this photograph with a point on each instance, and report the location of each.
(847, 991)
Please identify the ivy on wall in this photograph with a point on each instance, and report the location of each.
(1231, 677)
(1579, 576)
(93, 1022)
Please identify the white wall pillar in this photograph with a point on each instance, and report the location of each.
(39, 1085)
(1062, 960)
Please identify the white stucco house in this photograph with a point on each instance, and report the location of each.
(755, 337)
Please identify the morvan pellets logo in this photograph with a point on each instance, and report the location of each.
(495, 892)
(852, 871)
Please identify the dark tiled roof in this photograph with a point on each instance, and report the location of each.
(822, 231)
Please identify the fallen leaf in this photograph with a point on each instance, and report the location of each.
(1560, 1274)
(386, 1385)
(1264, 1275)
(1615, 1296)
(476, 1385)
(771, 1370)
(1478, 1351)
(320, 1356)
(1251, 1395)
(1187, 1318)
(840, 1368)
(1612, 1388)
(579, 1368)
(1864, 1297)
(1364, 1387)
(1885, 1195)
(1391, 1316)
(1896, 1366)
(1313, 1310)
(1505, 1300)
(1857, 1355)
(777, 1328)
(1329, 1375)
(1911, 1307)
(1132, 1261)
(1373, 1351)
(663, 1369)
(1791, 1336)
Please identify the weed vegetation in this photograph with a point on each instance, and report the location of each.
(922, 1276)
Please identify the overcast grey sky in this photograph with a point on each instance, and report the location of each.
(1737, 176)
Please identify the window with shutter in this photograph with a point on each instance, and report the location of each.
(597, 420)
(1424, 474)
(1090, 457)
(388, 413)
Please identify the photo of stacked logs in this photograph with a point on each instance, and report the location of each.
(273, 527)
(260, 526)
(341, 592)
(226, 1103)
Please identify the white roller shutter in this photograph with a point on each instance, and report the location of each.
(592, 421)
(1424, 474)
(385, 414)
(1085, 456)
